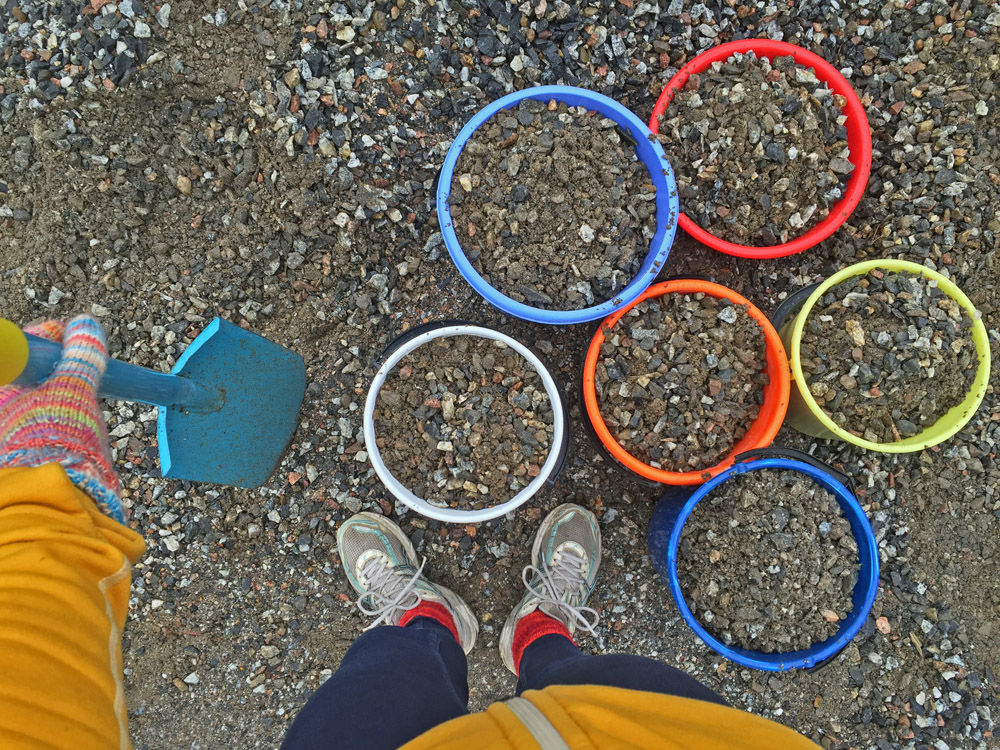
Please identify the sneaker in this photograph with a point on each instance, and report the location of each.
(379, 562)
(563, 570)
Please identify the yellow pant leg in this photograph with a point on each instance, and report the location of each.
(65, 571)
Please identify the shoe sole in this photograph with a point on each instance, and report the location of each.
(465, 620)
(507, 638)
(510, 624)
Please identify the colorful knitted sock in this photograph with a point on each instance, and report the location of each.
(531, 628)
(59, 420)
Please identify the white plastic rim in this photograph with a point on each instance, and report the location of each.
(452, 515)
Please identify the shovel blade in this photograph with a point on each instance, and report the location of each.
(242, 443)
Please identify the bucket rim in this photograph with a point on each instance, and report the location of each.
(761, 432)
(946, 425)
(402, 493)
(868, 576)
(858, 137)
(660, 172)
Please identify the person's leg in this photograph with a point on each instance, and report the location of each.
(394, 683)
(554, 659)
(536, 643)
(64, 590)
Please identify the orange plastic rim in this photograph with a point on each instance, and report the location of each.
(859, 140)
(761, 432)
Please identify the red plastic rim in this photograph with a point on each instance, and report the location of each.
(761, 432)
(859, 140)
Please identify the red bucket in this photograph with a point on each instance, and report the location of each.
(859, 141)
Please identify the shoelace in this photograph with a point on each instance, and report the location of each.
(569, 575)
(400, 594)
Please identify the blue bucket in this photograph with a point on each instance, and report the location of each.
(649, 152)
(673, 510)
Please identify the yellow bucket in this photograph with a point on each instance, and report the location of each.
(806, 416)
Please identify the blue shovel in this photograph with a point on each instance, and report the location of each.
(227, 411)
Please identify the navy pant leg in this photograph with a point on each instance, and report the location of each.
(554, 660)
(393, 685)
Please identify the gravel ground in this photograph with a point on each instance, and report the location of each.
(275, 163)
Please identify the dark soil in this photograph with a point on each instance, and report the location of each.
(464, 421)
(680, 380)
(553, 206)
(760, 152)
(887, 355)
(768, 562)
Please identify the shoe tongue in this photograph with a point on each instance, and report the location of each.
(553, 611)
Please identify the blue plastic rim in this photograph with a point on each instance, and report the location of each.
(669, 519)
(649, 152)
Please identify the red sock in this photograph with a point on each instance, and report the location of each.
(437, 612)
(531, 628)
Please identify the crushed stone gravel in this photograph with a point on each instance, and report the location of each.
(888, 354)
(552, 205)
(681, 378)
(759, 147)
(311, 220)
(767, 562)
(464, 422)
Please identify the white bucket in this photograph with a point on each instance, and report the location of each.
(452, 515)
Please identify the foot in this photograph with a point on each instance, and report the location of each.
(379, 562)
(563, 570)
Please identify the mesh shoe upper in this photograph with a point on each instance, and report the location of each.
(379, 562)
(565, 559)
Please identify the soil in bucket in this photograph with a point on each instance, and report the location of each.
(680, 379)
(767, 562)
(759, 149)
(464, 422)
(552, 206)
(886, 355)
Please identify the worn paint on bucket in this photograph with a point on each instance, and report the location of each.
(649, 152)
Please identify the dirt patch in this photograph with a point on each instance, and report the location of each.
(767, 562)
(760, 151)
(887, 355)
(552, 205)
(680, 379)
(464, 421)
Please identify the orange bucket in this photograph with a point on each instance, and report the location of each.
(761, 432)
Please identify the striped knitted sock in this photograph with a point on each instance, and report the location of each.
(60, 420)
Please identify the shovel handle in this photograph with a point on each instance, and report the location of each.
(121, 381)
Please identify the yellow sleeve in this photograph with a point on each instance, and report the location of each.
(65, 571)
(591, 717)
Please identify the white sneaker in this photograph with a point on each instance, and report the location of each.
(565, 558)
(379, 562)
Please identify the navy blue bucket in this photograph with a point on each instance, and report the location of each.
(673, 510)
(649, 153)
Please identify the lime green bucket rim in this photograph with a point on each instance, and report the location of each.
(955, 419)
